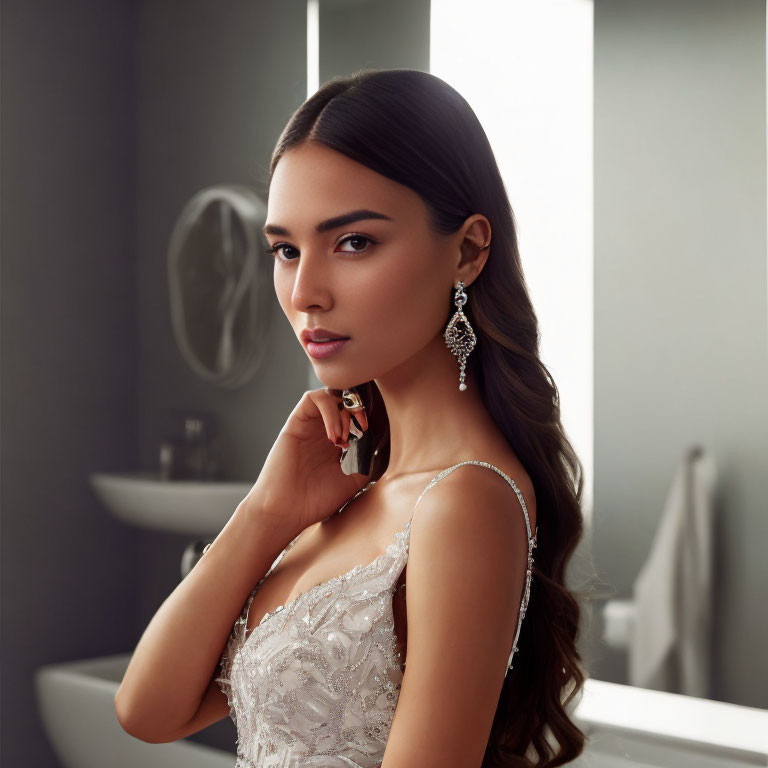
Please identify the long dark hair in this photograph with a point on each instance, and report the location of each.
(415, 129)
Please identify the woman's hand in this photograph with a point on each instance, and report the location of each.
(301, 481)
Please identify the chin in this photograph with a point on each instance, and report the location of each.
(336, 382)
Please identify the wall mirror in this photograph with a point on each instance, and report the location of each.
(220, 285)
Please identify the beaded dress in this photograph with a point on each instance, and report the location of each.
(315, 684)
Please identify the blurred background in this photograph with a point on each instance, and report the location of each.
(632, 139)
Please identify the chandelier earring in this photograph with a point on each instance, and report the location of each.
(459, 336)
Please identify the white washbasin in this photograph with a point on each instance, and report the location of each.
(631, 727)
(195, 507)
(77, 706)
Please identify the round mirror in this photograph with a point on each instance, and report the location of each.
(220, 286)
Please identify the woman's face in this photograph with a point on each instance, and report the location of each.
(383, 280)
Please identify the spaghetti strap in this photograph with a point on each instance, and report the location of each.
(532, 540)
(509, 480)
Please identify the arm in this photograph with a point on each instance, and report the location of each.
(171, 670)
(466, 569)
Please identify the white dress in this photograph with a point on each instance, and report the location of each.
(315, 684)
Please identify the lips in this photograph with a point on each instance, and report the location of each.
(320, 335)
(323, 349)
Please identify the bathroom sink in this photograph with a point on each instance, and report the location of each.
(77, 706)
(630, 727)
(196, 507)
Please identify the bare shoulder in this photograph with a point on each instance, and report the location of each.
(477, 496)
(477, 485)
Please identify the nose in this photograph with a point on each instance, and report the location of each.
(311, 283)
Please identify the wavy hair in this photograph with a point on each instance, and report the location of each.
(415, 129)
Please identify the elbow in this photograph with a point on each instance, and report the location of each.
(125, 718)
(122, 715)
(132, 726)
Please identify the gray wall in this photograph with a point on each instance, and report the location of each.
(371, 33)
(67, 332)
(680, 300)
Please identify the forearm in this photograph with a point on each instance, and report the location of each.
(178, 653)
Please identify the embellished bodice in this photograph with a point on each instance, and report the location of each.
(316, 682)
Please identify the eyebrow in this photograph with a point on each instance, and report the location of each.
(333, 223)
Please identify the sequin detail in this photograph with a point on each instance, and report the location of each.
(316, 682)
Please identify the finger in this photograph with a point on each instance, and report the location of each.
(357, 418)
(329, 412)
(345, 423)
(342, 420)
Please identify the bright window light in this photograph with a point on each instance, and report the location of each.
(313, 46)
(525, 67)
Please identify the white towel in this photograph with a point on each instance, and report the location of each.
(669, 647)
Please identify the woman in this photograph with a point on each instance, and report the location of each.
(390, 227)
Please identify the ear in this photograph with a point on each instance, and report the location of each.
(474, 239)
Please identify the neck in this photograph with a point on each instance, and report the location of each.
(431, 421)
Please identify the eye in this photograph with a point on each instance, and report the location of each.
(279, 247)
(354, 239)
